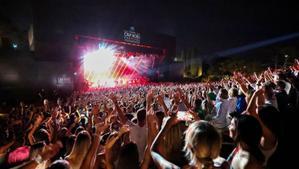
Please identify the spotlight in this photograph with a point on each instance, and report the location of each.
(14, 45)
(98, 65)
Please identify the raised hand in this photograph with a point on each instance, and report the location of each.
(170, 121)
(100, 127)
(124, 129)
(256, 77)
(259, 80)
(149, 99)
(237, 77)
(259, 91)
(150, 96)
(113, 98)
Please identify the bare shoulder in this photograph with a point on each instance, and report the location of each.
(220, 163)
(246, 161)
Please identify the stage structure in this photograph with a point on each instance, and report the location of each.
(112, 63)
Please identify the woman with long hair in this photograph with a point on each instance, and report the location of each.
(202, 146)
(268, 117)
(247, 132)
(79, 150)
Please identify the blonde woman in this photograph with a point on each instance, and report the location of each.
(202, 146)
(80, 150)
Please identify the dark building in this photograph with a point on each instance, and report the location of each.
(45, 55)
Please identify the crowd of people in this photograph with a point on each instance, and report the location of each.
(237, 123)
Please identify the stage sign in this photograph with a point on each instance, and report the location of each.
(131, 36)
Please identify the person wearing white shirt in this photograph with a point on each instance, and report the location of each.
(232, 99)
(219, 120)
(138, 132)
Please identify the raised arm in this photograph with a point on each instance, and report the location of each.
(269, 74)
(258, 100)
(252, 105)
(159, 160)
(149, 100)
(90, 158)
(34, 128)
(163, 105)
(121, 114)
(238, 79)
(152, 132)
(110, 143)
(184, 98)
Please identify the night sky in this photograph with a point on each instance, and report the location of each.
(209, 25)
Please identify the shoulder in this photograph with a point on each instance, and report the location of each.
(218, 104)
(240, 160)
(247, 161)
(220, 163)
